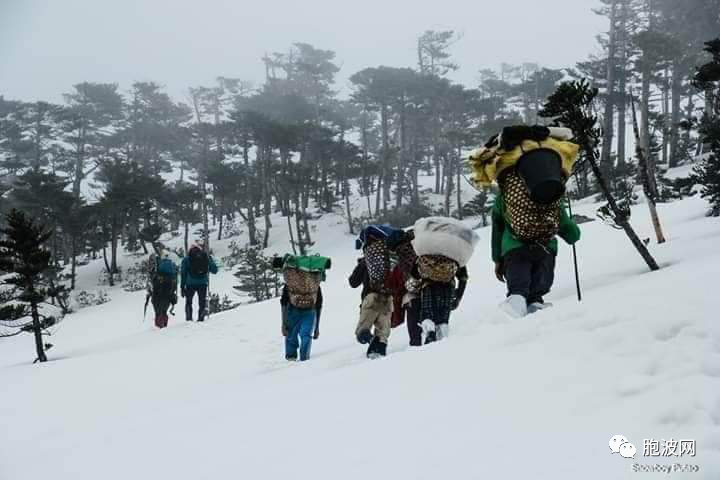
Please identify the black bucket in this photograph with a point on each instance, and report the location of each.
(542, 172)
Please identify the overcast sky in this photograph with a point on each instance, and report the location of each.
(46, 46)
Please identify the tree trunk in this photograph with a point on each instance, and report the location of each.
(290, 231)
(458, 169)
(621, 97)
(605, 156)
(252, 235)
(113, 247)
(620, 218)
(37, 332)
(448, 183)
(646, 172)
(73, 267)
(386, 156)
(185, 239)
(676, 84)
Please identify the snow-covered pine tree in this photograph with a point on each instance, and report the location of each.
(256, 275)
(570, 106)
(29, 285)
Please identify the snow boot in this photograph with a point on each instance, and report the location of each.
(364, 337)
(428, 328)
(291, 358)
(537, 306)
(376, 349)
(442, 331)
(515, 306)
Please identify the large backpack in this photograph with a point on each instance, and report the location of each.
(199, 263)
(164, 279)
(302, 287)
(437, 268)
(529, 220)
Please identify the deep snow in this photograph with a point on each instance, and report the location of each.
(536, 398)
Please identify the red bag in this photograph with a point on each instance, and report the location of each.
(395, 282)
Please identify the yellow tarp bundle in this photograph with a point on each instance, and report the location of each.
(488, 163)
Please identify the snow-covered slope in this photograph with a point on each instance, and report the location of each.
(537, 398)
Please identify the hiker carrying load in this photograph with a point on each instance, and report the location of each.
(373, 273)
(195, 278)
(531, 165)
(444, 247)
(162, 284)
(301, 302)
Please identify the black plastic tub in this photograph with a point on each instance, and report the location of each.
(542, 172)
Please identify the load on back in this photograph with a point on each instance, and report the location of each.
(531, 165)
(302, 274)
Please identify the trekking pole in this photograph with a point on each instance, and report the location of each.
(575, 262)
(147, 300)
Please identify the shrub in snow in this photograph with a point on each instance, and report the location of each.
(136, 277)
(232, 229)
(104, 278)
(84, 299)
(216, 304)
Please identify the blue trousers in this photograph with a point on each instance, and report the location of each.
(301, 324)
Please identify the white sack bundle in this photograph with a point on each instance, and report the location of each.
(445, 236)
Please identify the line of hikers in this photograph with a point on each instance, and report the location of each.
(419, 276)
(195, 270)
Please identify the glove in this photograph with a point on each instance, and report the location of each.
(500, 271)
(316, 335)
(173, 298)
(284, 330)
(182, 292)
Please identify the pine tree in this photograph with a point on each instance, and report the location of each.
(28, 287)
(707, 173)
(570, 106)
(256, 275)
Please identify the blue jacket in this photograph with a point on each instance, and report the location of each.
(187, 280)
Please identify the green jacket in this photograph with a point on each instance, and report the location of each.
(504, 239)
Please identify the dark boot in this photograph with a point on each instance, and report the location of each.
(364, 337)
(376, 349)
(430, 337)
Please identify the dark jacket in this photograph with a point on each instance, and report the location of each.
(186, 278)
(360, 276)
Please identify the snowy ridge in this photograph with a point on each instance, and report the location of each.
(534, 398)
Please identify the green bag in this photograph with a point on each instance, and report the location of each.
(304, 263)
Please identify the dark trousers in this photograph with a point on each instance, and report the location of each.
(190, 291)
(436, 301)
(413, 322)
(530, 272)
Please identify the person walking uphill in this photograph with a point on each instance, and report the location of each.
(531, 165)
(162, 285)
(444, 247)
(195, 273)
(301, 302)
(372, 272)
(527, 266)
